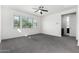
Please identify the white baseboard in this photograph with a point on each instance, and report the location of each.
(0, 41)
(77, 42)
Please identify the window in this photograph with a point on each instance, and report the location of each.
(17, 21)
(27, 22)
(34, 23)
(24, 22)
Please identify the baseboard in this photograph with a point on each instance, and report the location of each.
(20, 36)
(0, 41)
(52, 35)
(11, 38)
(30, 35)
(77, 42)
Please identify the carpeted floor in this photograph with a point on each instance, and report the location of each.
(40, 43)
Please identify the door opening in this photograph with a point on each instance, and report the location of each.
(68, 27)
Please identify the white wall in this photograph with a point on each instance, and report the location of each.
(8, 30)
(0, 23)
(73, 25)
(77, 27)
(52, 23)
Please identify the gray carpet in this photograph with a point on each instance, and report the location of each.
(40, 43)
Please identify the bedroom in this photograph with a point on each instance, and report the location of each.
(28, 29)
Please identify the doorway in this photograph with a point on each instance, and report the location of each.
(68, 25)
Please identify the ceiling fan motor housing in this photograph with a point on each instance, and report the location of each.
(41, 9)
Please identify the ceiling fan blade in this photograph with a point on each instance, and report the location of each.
(45, 10)
(37, 10)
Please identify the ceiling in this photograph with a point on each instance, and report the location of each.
(50, 8)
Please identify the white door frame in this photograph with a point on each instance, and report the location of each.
(0, 23)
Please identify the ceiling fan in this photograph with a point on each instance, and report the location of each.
(40, 9)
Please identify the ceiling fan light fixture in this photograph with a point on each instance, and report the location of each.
(40, 9)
